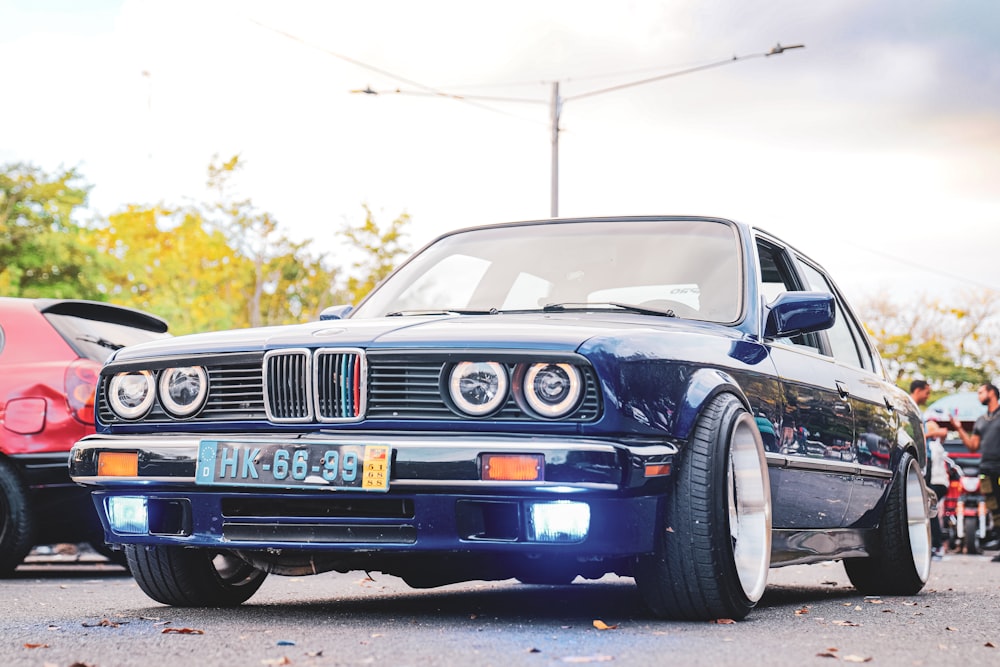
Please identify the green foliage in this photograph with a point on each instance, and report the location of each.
(42, 253)
(379, 252)
(219, 265)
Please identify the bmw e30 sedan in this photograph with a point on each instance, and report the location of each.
(687, 401)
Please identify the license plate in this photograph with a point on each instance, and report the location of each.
(355, 467)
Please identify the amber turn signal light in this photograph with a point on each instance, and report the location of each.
(513, 467)
(118, 464)
(657, 469)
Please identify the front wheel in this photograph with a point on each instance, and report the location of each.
(972, 544)
(713, 549)
(193, 577)
(901, 563)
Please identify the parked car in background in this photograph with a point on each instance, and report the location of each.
(51, 351)
(687, 401)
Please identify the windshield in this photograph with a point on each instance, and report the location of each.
(685, 268)
(97, 339)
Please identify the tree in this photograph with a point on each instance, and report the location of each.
(378, 252)
(41, 250)
(171, 263)
(952, 345)
(285, 282)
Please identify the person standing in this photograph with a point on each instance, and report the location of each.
(985, 438)
(937, 472)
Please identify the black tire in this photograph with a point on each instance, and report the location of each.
(971, 541)
(713, 549)
(16, 526)
(193, 577)
(901, 562)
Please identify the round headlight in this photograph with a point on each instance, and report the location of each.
(183, 390)
(552, 390)
(130, 394)
(478, 388)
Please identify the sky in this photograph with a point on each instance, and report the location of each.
(875, 149)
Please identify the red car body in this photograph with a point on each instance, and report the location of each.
(51, 352)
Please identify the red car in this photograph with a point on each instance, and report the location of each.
(51, 351)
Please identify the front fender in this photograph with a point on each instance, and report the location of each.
(704, 385)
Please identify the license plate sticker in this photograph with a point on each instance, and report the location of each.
(323, 465)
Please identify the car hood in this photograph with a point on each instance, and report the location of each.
(555, 331)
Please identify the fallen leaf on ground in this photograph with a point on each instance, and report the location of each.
(534, 650)
(875, 601)
(848, 624)
(723, 621)
(588, 658)
(826, 655)
(103, 623)
(856, 658)
(182, 631)
(283, 660)
(802, 611)
(314, 654)
(36, 646)
(949, 629)
(601, 625)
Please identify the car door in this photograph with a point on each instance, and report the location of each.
(860, 374)
(813, 471)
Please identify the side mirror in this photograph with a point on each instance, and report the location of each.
(795, 313)
(335, 312)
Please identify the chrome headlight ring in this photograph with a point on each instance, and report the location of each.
(478, 388)
(183, 390)
(131, 394)
(552, 390)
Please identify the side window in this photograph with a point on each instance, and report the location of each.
(844, 338)
(777, 276)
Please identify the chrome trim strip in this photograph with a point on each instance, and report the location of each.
(823, 465)
(306, 353)
(361, 409)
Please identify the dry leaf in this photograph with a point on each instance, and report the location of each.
(802, 611)
(182, 631)
(849, 624)
(283, 660)
(949, 629)
(856, 658)
(588, 658)
(103, 623)
(314, 654)
(833, 649)
(875, 601)
(36, 646)
(601, 625)
(723, 621)
(826, 655)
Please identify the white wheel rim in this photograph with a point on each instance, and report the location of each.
(918, 523)
(749, 507)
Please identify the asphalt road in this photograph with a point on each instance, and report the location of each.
(92, 613)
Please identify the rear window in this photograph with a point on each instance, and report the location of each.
(97, 339)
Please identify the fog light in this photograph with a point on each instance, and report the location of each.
(560, 521)
(128, 514)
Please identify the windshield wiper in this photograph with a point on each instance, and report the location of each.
(443, 311)
(593, 305)
(103, 342)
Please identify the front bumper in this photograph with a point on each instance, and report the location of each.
(436, 500)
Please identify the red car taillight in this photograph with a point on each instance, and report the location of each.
(81, 385)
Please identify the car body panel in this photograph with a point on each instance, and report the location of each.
(833, 428)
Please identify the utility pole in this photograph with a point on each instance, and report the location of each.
(556, 103)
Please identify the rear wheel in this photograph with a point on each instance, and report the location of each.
(902, 562)
(971, 541)
(713, 550)
(16, 537)
(193, 577)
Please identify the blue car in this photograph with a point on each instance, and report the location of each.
(687, 401)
